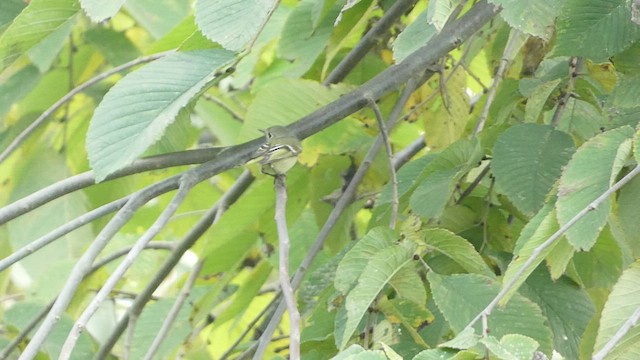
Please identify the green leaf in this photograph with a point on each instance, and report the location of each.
(596, 29)
(48, 268)
(408, 284)
(357, 352)
(537, 231)
(567, 308)
(456, 248)
(158, 16)
(441, 354)
(35, 22)
(438, 11)
(9, 9)
(591, 171)
(413, 37)
(232, 23)
(439, 178)
(511, 347)
(135, 112)
(537, 100)
(601, 266)
(625, 94)
(375, 275)
(626, 215)
(621, 304)
(527, 161)
(350, 268)
(116, 47)
(302, 42)
(461, 297)
(539, 19)
(98, 10)
(246, 293)
(16, 87)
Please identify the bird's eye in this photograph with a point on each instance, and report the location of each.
(269, 135)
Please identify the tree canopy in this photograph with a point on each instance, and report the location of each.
(466, 187)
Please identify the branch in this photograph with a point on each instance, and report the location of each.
(186, 183)
(631, 322)
(83, 265)
(392, 170)
(367, 41)
(173, 313)
(575, 64)
(238, 188)
(538, 251)
(283, 267)
(508, 54)
(86, 179)
(386, 82)
(404, 155)
(61, 231)
(22, 137)
(4, 354)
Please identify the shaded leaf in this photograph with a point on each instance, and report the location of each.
(527, 161)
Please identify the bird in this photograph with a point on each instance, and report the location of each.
(280, 151)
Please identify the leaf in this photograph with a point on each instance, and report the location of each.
(589, 174)
(438, 12)
(39, 19)
(443, 354)
(408, 284)
(623, 301)
(9, 9)
(626, 215)
(461, 297)
(537, 100)
(301, 41)
(511, 347)
(527, 161)
(537, 231)
(626, 91)
(135, 112)
(375, 275)
(456, 248)
(246, 293)
(438, 180)
(350, 268)
(98, 10)
(596, 29)
(413, 37)
(451, 112)
(602, 265)
(232, 23)
(538, 16)
(567, 307)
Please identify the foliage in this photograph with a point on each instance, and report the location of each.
(514, 131)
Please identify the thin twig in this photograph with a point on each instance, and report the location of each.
(538, 251)
(392, 170)
(404, 155)
(37, 122)
(283, 267)
(474, 183)
(83, 265)
(631, 322)
(367, 41)
(61, 231)
(224, 106)
(186, 183)
(574, 65)
(238, 188)
(173, 313)
(507, 55)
